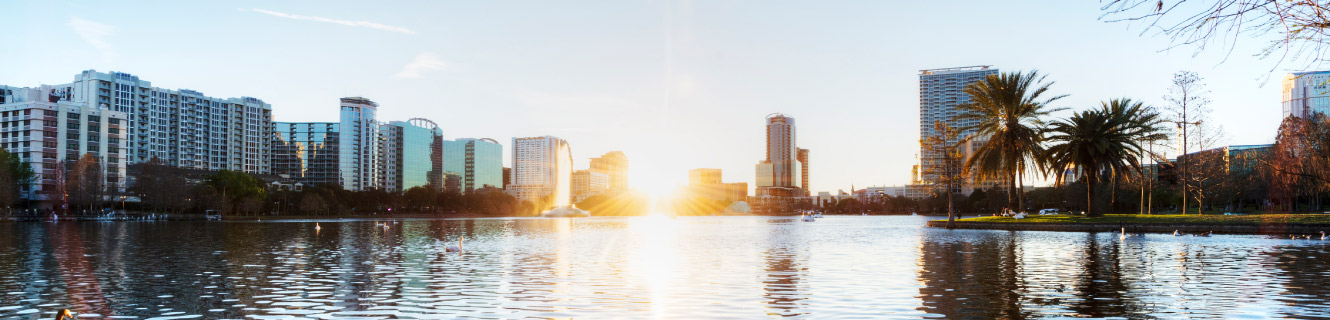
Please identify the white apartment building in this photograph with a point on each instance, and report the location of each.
(587, 183)
(45, 130)
(1305, 94)
(542, 167)
(182, 127)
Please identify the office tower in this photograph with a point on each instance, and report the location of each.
(542, 168)
(411, 155)
(389, 164)
(703, 176)
(586, 183)
(46, 130)
(308, 152)
(706, 183)
(344, 153)
(780, 174)
(183, 128)
(614, 164)
(473, 164)
(1305, 94)
(359, 143)
(940, 92)
(507, 177)
(803, 164)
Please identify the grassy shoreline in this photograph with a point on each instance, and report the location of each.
(1269, 224)
(1190, 219)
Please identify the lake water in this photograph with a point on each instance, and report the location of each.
(632, 268)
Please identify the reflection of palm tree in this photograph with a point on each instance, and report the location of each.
(972, 280)
(1101, 143)
(1006, 109)
(1101, 288)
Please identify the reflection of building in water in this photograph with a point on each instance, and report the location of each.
(782, 283)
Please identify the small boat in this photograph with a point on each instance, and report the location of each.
(807, 218)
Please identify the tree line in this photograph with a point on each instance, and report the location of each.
(1115, 155)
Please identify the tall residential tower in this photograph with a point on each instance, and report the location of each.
(780, 174)
(940, 92)
(542, 171)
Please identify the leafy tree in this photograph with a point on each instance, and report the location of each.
(235, 186)
(1008, 111)
(945, 164)
(86, 182)
(1100, 143)
(15, 174)
(159, 186)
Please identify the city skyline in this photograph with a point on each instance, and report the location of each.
(679, 68)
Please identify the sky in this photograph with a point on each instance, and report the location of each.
(675, 85)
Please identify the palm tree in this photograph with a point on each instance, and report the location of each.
(1005, 115)
(1101, 143)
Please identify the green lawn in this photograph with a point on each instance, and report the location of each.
(1255, 219)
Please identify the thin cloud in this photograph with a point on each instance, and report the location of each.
(423, 62)
(362, 24)
(95, 35)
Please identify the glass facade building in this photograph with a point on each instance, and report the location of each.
(359, 144)
(307, 151)
(413, 155)
(1305, 94)
(470, 164)
(940, 92)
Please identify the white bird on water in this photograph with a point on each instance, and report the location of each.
(1322, 235)
(456, 248)
(316, 226)
(1123, 235)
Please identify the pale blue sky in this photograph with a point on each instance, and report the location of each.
(674, 84)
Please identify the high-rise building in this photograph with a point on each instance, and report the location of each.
(706, 183)
(46, 131)
(307, 151)
(1305, 94)
(473, 164)
(344, 152)
(803, 163)
(586, 183)
(940, 92)
(614, 164)
(359, 138)
(703, 176)
(183, 128)
(542, 170)
(507, 177)
(389, 165)
(781, 173)
(411, 155)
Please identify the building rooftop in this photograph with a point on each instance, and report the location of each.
(954, 70)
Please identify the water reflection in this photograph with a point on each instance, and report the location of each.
(703, 267)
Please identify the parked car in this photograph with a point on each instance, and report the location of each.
(1047, 212)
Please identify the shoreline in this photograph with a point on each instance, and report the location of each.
(1274, 224)
(201, 217)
